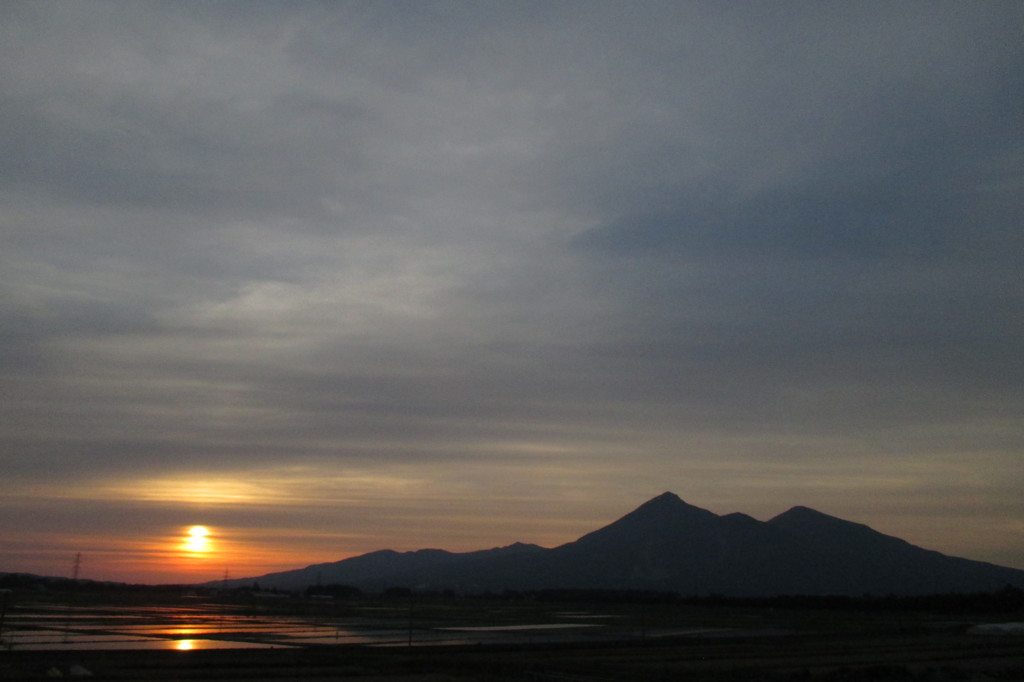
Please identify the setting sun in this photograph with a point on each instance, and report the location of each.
(197, 540)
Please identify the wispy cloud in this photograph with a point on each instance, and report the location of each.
(431, 273)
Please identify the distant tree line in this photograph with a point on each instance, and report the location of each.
(1007, 600)
(28, 581)
(334, 591)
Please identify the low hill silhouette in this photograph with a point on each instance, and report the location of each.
(669, 545)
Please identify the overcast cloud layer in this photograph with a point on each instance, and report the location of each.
(333, 277)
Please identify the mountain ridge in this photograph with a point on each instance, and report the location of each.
(666, 544)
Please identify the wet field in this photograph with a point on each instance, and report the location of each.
(200, 625)
(205, 625)
(481, 640)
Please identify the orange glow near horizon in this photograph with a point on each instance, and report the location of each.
(163, 554)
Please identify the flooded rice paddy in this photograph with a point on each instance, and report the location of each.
(133, 637)
(54, 627)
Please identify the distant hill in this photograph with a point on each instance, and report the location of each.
(669, 545)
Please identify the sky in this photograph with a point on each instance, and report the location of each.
(334, 277)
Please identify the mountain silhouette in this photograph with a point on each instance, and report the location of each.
(669, 545)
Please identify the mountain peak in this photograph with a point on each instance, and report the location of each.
(665, 513)
(667, 508)
(806, 520)
(801, 515)
(664, 498)
(799, 512)
(667, 544)
(670, 503)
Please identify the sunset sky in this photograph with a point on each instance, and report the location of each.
(333, 277)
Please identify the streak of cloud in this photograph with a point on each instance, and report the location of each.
(458, 274)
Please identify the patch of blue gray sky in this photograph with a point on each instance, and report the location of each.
(563, 255)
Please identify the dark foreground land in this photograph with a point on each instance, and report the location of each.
(911, 656)
(658, 639)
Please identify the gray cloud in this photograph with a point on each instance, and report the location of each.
(703, 244)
